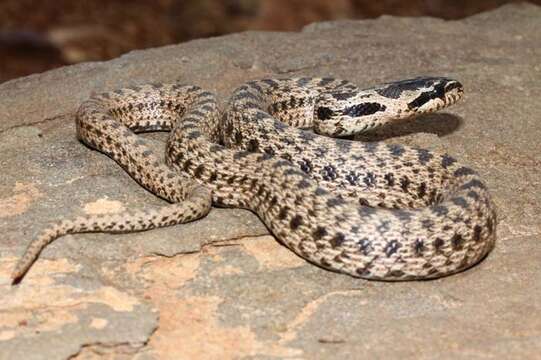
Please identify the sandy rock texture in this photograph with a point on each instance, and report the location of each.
(222, 287)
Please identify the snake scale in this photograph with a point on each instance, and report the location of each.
(368, 209)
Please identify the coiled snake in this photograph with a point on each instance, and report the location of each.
(370, 210)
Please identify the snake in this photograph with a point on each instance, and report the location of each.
(287, 150)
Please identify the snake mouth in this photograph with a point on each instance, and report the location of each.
(453, 98)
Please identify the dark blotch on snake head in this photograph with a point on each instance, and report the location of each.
(324, 113)
(363, 109)
(445, 91)
(395, 89)
(425, 97)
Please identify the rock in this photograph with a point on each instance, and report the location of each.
(222, 287)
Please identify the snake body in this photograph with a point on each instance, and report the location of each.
(370, 210)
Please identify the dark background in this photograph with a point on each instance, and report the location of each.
(39, 35)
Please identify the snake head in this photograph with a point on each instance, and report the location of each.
(341, 113)
(430, 94)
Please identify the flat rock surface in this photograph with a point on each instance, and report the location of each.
(222, 287)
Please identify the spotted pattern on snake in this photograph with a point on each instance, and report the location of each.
(370, 210)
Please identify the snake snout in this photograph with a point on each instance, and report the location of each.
(454, 91)
(440, 93)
